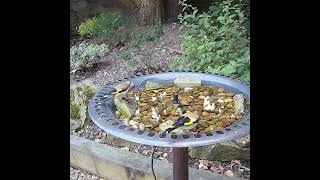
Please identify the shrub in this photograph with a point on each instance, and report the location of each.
(86, 28)
(108, 23)
(111, 24)
(215, 43)
(83, 55)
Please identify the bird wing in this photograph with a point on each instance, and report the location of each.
(181, 121)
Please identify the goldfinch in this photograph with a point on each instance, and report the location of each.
(122, 88)
(187, 121)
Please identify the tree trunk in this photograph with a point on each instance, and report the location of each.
(172, 9)
(150, 11)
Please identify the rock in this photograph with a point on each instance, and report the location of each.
(125, 148)
(243, 142)
(208, 104)
(187, 82)
(208, 118)
(141, 127)
(228, 100)
(126, 109)
(221, 152)
(220, 90)
(74, 124)
(131, 122)
(205, 113)
(151, 85)
(203, 167)
(80, 95)
(155, 114)
(228, 173)
(165, 155)
(157, 129)
(204, 123)
(238, 104)
(229, 94)
(118, 114)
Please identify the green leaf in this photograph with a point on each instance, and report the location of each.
(228, 69)
(200, 47)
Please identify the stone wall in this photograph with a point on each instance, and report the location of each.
(117, 164)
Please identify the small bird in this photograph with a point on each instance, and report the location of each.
(187, 121)
(122, 88)
(123, 103)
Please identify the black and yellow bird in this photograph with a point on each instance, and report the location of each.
(187, 121)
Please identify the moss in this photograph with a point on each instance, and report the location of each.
(79, 99)
(88, 94)
(72, 95)
(78, 88)
(74, 111)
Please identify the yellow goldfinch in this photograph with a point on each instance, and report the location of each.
(187, 121)
(122, 88)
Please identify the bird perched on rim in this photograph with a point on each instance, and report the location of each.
(187, 121)
(122, 88)
(127, 106)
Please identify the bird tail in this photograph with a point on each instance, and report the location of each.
(167, 131)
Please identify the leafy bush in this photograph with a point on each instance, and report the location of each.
(244, 5)
(87, 27)
(111, 24)
(83, 55)
(215, 43)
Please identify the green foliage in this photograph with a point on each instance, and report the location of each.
(149, 36)
(215, 42)
(111, 24)
(243, 5)
(83, 55)
(74, 111)
(125, 56)
(79, 99)
(87, 27)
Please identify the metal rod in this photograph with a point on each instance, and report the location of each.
(180, 163)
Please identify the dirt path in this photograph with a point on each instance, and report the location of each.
(155, 55)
